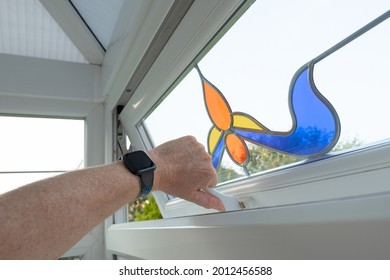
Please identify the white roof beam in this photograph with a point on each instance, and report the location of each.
(137, 25)
(75, 28)
(45, 78)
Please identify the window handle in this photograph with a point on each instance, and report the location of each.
(231, 203)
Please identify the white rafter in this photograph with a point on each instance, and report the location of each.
(74, 27)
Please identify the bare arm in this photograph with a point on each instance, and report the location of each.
(44, 219)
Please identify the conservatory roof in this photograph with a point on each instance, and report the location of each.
(60, 30)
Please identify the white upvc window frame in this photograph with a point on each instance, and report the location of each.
(197, 28)
(64, 96)
(91, 245)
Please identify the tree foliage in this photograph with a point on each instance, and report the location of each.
(226, 174)
(347, 144)
(264, 159)
(144, 209)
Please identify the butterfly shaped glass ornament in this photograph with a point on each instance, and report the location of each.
(316, 126)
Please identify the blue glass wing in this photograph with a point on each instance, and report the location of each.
(316, 126)
(218, 152)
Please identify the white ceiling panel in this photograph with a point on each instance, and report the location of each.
(27, 29)
(100, 16)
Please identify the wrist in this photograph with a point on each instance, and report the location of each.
(161, 174)
(125, 181)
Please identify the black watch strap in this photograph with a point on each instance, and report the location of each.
(147, 177)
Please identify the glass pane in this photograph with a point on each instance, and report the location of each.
(27, 29)
(41, 144)
(101, 17)
(253, 66)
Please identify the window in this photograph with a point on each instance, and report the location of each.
(254, 52)
(36, 148)
(255, 62)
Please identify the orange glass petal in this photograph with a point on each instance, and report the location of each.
(236, 148)
(217, 106)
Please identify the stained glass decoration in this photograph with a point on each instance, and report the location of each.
(315, 129)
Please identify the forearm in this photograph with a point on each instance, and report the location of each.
(44, 219)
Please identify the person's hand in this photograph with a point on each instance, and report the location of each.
(184, 169)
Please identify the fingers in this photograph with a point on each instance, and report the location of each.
(207, 200)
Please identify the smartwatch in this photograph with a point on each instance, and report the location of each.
(140, 164)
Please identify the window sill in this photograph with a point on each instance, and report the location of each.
(353, 228)
(334, 208)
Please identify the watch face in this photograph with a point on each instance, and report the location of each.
(138, 160)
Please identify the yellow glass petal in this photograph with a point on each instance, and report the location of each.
(244, 121)
(217, 106)
(236, 148)
(214, 136)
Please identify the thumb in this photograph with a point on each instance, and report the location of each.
(207, 200)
